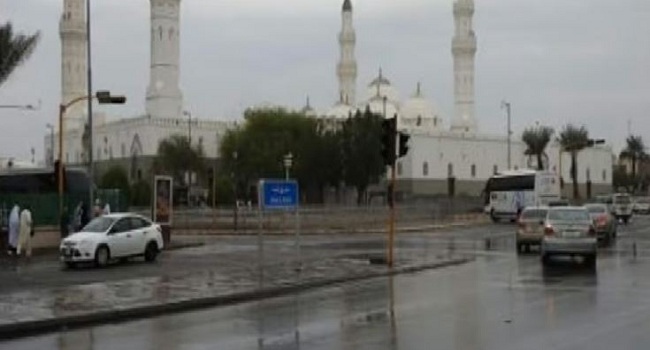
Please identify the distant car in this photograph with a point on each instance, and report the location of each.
(569, 231)
(604, 222)
(622, 206)
(113, 236)
(641, 205)
(530, 230)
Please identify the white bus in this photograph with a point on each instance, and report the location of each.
(508, 193)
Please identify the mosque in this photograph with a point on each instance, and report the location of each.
(446, 157)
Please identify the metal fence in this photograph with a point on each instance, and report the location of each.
(312, 217)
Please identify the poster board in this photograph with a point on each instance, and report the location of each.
(163, 189)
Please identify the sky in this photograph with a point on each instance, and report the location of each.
(556, 61)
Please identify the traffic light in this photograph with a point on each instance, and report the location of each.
(403, 144)
(388, 127)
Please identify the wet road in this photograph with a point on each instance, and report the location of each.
(500, 301)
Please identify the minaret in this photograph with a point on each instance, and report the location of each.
(347, 67)
(464, 51)
(164, 97)
(74, 82)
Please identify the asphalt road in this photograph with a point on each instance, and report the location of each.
(46, 271)
(500, 301)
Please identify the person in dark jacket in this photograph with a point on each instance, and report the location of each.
(64, 223)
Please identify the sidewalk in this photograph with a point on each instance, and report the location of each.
(237, 279)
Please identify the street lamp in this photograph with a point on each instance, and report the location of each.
(51, 153)
(288, 162)
(27, 107)
(506, 105)
(103, 97)
(235, 181)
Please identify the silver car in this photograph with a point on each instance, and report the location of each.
(569, 231)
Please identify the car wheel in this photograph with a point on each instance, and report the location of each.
(590, 261)
(151, 252)
(493, 217)
(102, 256)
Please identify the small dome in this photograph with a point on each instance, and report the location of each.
(418, 113)
(380, 87)
(347, 6)
(376, 105)
(340, 111)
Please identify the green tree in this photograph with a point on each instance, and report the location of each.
(362, 161)
(574, 139)
(116, 178)
(140, 193)
(257, 148)
(621, 179)
(176, 157)
(536, 140)
(15, 49)
(635, 152)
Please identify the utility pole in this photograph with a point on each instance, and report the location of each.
(91, 163)
(506, 105)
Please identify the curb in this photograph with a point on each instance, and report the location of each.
(21, 329)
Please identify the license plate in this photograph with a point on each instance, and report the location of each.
(571, 234)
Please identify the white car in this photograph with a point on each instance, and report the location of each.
(113, 236)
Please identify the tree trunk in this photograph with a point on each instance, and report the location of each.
(574, 174)
(540, 162)
(361, 192)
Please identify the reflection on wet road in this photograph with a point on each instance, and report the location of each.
(500, 301)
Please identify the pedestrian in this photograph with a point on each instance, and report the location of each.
(107, 209)
(64, 223)
(77, 217)
(85, 215)
(26, 232)
(97, 209)
(14, 229)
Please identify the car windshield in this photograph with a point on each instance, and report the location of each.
(568, 215)
(622, 199)
(99, 225)
(596, 209)
(534, 214)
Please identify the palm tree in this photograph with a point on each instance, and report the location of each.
(14, 50)
(536, 140)
(574, 139)
(635, 151)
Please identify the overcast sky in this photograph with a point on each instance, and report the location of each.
(556, 61)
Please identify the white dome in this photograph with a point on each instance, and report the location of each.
(380, 88)
(340, 111)
(376, 106)
(418, 113)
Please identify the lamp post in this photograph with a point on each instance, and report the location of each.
(89, 99)
(51, 153)
(235, 180)
(506, 105)
(103, 97)
(288, 162)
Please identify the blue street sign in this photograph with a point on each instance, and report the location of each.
(278, 194)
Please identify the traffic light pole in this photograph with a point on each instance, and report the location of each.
(391, 220)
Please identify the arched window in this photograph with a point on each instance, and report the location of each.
(450, 170)
(160, 32)
(425, 169)
(399, 168)
(588, 174)
(473, 170)
(495, 169)
(604, 175)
